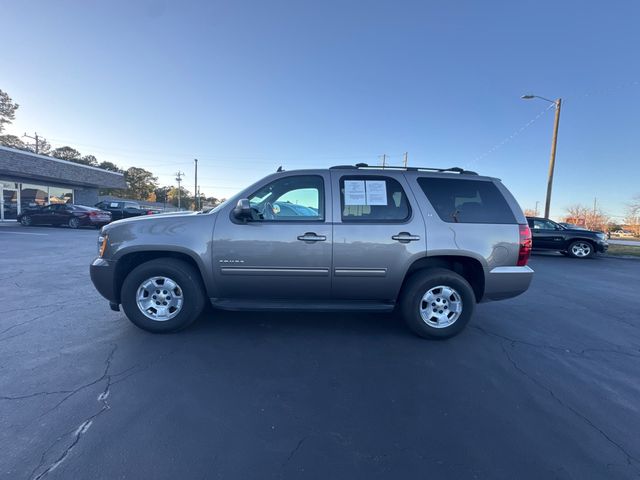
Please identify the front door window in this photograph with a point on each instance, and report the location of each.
(296, 198)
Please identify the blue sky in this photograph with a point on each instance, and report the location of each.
(248, 86)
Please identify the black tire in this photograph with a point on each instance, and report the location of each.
(190, 284)
(26, 221)
(73, 223)
(418, 285)
(581, 246)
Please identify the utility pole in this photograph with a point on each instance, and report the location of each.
(179, 179)
(33, 138)
(552, 160)
(537, 202)
(195, 188)
(554, 141)
(384, 160)
(406, 159)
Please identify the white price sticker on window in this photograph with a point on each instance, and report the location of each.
(376, 192)
(354, 192)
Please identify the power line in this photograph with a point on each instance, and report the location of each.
(510, 137)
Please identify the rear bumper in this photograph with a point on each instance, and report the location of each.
(95, 221)
(506, 282)
(103, 277)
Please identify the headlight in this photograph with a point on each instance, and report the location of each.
(601, 236)
(102, 244)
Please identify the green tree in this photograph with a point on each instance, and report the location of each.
(89, 160)
(162, 194)
(7, 109)
(112, 167)
(13, 142)
(186, 199)
(67, 153)
(140, 183)
(70, 154)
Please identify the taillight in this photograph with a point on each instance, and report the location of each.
(525, 245)
(149, 212)
(93, 214)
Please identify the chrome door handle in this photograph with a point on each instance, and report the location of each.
(405, 237)
(311, 237)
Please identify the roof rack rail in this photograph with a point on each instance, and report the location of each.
(459, 170)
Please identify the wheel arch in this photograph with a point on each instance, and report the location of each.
(127, 261)
(467, 267)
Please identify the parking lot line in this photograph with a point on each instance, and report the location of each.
(27, 233)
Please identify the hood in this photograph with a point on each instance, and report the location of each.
(159, 217)
(578, 231)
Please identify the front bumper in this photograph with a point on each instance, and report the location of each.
(602, 246)
(506, 282)
(103, 277)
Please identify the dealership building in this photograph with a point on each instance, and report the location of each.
(28, 180)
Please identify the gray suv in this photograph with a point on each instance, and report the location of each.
(429, 243)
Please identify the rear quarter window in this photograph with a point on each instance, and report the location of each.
(466, 201)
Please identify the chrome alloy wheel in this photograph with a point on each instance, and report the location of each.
(441, 306)
(581, 249)
(159, 298)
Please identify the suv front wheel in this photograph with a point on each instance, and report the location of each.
(581, 249)
(437, 303)
(163, 295)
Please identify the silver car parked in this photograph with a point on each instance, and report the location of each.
(429, 243)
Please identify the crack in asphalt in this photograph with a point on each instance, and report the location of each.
(629, 457)
(141, 367)
(31, 395)
(24, 309)
(29, 321)
(104, 375)
(563, 350)
(295, 450)
(77, 433)
(83, 427)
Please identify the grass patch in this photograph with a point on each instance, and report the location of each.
(624, 250)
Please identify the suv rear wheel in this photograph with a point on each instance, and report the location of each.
(163, 295)
(437, 303)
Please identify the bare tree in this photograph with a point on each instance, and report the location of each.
(592, 219)
(530, 212)
(632, 218)
(7, 109)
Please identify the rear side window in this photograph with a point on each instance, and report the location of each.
(466, 201)
(373, 199)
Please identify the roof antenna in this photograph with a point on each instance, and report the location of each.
(280, 169)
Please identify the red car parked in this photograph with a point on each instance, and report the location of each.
(73, 216)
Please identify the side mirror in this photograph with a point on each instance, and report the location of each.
(242, 211)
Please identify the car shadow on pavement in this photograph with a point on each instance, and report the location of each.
(299, 323)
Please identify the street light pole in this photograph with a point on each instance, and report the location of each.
(554, 141)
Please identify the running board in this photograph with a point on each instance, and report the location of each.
(298, 305)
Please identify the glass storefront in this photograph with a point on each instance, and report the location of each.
(8, 200)
(16, 197)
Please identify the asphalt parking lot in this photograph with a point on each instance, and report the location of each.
(546, 385)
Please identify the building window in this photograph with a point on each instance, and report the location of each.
(33, 196)
(60, 195)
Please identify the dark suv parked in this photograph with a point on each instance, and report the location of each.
(122, 209)
(573, 242)
(431, 243)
